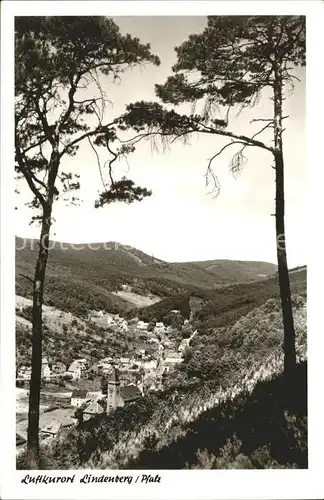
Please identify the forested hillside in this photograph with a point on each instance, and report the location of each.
(226, 407)
(106, 267)
(225, 305)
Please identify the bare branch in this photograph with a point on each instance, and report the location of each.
(262, 130)
(262, 120)
(27, 278)
(98, 162)
(110, 162)
(216, 188)
(221, 151)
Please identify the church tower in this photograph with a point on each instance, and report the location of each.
(113, 390)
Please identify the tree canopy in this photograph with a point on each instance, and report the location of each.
(56, 60)
(227, 67)
(224, 68)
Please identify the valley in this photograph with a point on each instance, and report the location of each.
(161, 337)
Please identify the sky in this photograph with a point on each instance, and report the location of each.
(182, 221)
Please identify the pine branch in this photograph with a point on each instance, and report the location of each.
(248, 140)
(91, 133)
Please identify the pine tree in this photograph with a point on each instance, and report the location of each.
(56, 58)
(227, 67)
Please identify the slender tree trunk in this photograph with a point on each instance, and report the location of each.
(37, 337)
(284, 282)
(33, 460)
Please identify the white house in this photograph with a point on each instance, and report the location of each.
(46, 371)
(173, 361)
(82, 361)
(172, 358)
(75, 373)
(24, 372)
(110, 320)
(108, 359)
(79, 396)
(124, 325)
(124, 361)
(51, 429)
(142, 325)
(184, 344)
(159, 328)
(104, 367)
(77, 368)
(150, 365)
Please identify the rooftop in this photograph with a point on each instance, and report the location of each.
(169, 353)
(52, 427)
(79, 393)
(130, 393)
(93, 408)
(114, 377)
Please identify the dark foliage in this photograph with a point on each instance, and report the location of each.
(223, 306)
(270, 424)
(257, 420)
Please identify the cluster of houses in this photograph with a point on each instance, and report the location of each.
(128, 377)
(137, 369)
(114, 320)
(90, 404)
(164, 356)
(118, 395)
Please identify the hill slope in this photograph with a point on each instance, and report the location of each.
(225, 305)
(232, 418)
(105, 267)
(194, 427)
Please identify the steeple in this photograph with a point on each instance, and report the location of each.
(113, 390)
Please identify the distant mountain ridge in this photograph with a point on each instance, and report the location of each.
(125, 255)
(85, 275)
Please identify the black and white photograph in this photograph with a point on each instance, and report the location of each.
(159, 195)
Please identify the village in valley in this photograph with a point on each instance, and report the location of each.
(85, 388)
(160, 301)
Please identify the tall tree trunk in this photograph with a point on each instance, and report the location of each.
(37, 337)
(33, 460)
(284, 282)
